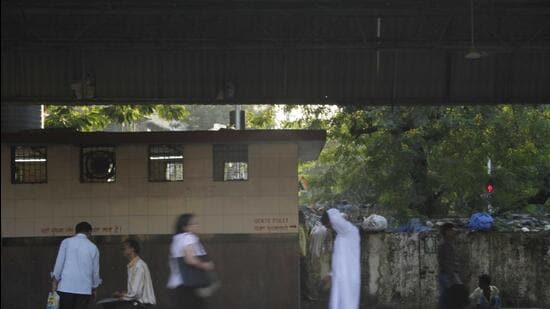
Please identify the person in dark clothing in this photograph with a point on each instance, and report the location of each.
(452, 292)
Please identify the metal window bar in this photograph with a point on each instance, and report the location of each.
(29, 164)
(230, 162)
(235, 171)
(97, 164)
(165, 163)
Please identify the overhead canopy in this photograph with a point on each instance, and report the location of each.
(275, 51)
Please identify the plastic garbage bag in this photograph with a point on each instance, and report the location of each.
(480, 221)
(374, 223)
(53, 301)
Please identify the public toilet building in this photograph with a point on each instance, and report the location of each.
(242, 184)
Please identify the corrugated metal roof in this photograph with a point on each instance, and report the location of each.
(276, 51)
(345, 77)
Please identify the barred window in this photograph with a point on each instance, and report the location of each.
(97, 164)
(165, 163)
(29, 164)
(230, 162)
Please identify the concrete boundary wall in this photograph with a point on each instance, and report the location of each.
(261, 271)
(401, 269)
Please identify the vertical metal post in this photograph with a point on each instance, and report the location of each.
(238, 117)
(42, 116)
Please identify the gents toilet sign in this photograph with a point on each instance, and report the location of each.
(273, 224)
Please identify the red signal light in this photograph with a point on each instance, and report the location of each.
(489, 187)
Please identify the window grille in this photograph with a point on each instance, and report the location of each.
(29, 164)
(230, 162)
(97, 164)
(165, 163)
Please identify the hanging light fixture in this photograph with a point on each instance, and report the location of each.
(473, 53)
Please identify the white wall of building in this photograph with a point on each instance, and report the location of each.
(266, 203)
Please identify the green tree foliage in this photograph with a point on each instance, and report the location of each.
(96, 118)
(432, 160)
(172, 112)
(260, 117)
(312, 116)
(83, 118)
(195, 117)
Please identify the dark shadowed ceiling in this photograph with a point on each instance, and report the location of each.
(276, 51)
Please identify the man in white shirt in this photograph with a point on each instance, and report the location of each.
(139, 291)
(486, 296)
(346, 269)
(76, 272)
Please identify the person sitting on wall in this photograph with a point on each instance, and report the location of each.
(486, 296)
(139, 293)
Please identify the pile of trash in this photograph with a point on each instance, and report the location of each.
(370, 221)
(478, 222)
(522, 222)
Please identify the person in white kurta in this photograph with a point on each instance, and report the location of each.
(346, 269)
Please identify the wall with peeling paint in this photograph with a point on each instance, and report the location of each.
(401, 269)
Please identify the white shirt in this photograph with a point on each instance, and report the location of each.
(318, 236)
(179, 242)
(140, 285)
(346, 267)
(77, 266)
(478, 298)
